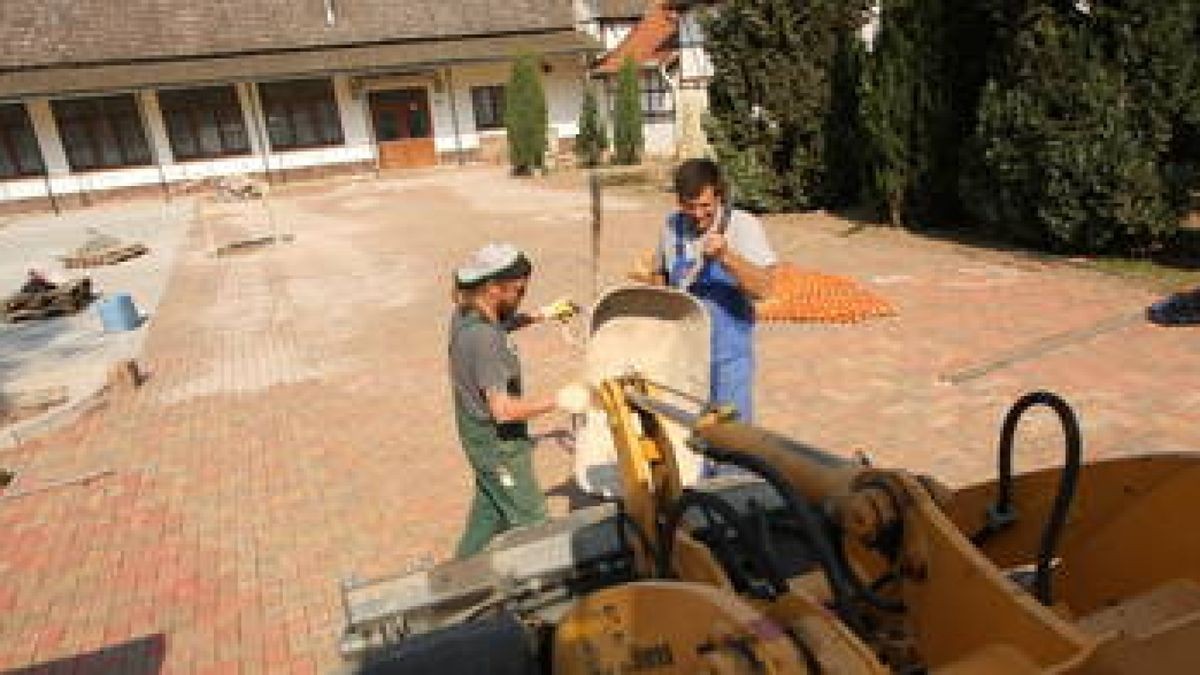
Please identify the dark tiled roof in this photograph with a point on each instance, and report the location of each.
(61, 32)
(620, 9)
(380, 58)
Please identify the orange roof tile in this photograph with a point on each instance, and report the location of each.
(652, 40)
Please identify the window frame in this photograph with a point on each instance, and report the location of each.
(313, 102)
(498, 103)
(648, 95)
(98, 117)
(10, 127)
(218, 112)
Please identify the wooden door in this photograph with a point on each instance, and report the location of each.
(403, 128)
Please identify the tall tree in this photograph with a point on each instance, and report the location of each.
(526, 117)
(592, 140)
(628, 136)
(771, 95)
(919, 93)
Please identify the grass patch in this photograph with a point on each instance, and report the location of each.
(1160, 275)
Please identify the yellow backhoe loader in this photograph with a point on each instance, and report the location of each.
(813, 564)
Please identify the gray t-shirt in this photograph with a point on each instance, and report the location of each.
(744, 233)
(482, 357)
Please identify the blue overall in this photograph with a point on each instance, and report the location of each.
(732, 316)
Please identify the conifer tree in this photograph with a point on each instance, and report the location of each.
(526, 116)
(772, 95)
(628, 137)
(592, 140)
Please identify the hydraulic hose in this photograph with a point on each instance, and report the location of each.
(710, 504)
(810, 523)
(1003, 514)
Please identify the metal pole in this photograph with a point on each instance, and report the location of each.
(597, 213)
(50, 190)
(458, 147)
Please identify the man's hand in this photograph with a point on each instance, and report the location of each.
(714, 245)
(573, 399)
(561, 310)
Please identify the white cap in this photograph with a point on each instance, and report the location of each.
(486, 262)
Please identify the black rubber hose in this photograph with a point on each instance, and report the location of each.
(623, 517)
(811, 525)
(1068, 481)
(711, 503)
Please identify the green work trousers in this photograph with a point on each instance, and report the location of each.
(506, 491)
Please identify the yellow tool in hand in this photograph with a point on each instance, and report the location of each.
(561, 310)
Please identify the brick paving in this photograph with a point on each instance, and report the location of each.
(295, 426)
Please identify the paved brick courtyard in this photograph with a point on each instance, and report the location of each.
(295, 426)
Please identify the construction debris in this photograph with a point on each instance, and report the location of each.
(81, 479)
(40, 298)
(102, 249)
(17, 406)
(239, 188)
(802, 296)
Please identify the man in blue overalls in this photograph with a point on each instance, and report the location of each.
(721, 256)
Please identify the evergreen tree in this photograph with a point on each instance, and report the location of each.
(1082, 136)
(1061, 158)
(628, 138)
(592, 140)
(771, 96)
(526, 117)
(1154, 44)
(919, 93)
(844, 132)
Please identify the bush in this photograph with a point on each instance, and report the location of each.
(1062, 157)
(525, 116)
(628, 141)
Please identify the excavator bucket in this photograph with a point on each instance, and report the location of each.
(660, 334)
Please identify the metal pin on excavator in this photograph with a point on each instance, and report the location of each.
(820, 565)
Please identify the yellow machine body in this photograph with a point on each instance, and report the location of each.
(943, 598)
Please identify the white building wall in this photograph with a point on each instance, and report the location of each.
(660, 138)
(564, 95)
(694, 62)
(613, 34)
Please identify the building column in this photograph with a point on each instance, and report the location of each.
(256, 125)
(49, 142)
(156, 127)
(353, 112)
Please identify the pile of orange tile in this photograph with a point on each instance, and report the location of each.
(804, 296)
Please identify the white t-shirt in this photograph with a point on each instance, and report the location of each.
(744, 233)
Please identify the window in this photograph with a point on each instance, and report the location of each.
(101, 133)
(19, 152)
(657, 100)
(489, 106)
(301, 114)
(204, 123)
(658, 103)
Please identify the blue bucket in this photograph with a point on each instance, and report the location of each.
(118, 313)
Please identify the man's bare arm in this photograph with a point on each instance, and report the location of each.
(753, 279)
(506, 408)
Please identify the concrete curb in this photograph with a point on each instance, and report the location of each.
(51, 420)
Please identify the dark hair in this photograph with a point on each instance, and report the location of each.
(693, 175)
(520, 268)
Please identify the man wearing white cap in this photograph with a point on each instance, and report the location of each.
(491, 408)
